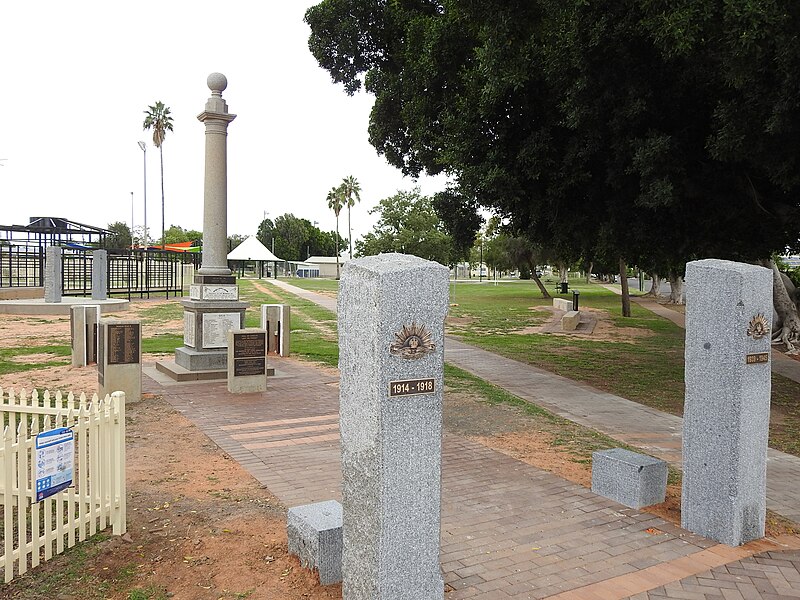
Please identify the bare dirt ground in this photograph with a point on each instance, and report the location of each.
(200, 527)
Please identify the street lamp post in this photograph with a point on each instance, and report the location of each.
(143, 146)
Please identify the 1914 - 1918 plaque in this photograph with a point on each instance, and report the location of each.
(123, 344)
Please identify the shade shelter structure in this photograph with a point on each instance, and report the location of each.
(251, 250)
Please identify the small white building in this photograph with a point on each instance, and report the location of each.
(326, 264)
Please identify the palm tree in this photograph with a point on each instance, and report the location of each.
(352, 194)
(159, 120)
(335, 200)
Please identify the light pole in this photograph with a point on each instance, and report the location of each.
(143, 146)
(131, 220)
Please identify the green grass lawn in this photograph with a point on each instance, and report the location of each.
(643, 361)
(313, 335)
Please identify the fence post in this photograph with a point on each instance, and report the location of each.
(118, 444)
(8, 494)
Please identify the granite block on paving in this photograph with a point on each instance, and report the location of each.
(726, 412)
(391, 359)
(632, 479)
(315, 537)
(53, 283)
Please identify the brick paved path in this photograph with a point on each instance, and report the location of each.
(656, 432)
(509, 530)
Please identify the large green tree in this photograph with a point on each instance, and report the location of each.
(295, 238)
(627, 131)
(176, 234)
(120, 236)
(407, 224)
(159, 120)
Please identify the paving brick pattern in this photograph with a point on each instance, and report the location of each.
(656, 432)
(766, 576)
(509, 530)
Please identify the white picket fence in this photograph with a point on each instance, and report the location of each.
(34, 531)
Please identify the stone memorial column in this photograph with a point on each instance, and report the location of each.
(100, 275)
(213, 307)
(726, 413)
(53, 282)
(391, 336)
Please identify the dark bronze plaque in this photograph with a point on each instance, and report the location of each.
(215, 279)
(249, 345)
(242, 367)
(754, 359)
(411, 387)
(123, 344)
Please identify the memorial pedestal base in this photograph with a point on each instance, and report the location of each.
(205, 333)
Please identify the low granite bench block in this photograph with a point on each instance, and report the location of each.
(570, 320)
(315, 537)
(632, 479)
(562, 304)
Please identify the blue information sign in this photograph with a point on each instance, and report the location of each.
(55, 461)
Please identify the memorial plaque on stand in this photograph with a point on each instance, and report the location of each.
(123, 344)
(247, 360)
(119, 366)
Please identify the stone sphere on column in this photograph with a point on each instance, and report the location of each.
(217, 82)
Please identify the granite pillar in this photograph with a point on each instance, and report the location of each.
(726, 413)
(53, 282)
(213, 307)
(391, 334)
(100, 275)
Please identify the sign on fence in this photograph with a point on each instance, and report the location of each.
(55, 461)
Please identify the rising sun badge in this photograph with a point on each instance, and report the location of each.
(412, 342)
(759, 327)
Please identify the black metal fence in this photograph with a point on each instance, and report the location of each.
(21, 266)
(131, 273)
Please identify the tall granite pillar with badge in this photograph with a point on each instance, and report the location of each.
(726, 412)
(213, 307)
(391, 359)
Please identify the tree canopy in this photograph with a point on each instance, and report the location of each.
(655, 131)
(407, 224)
(295, 238)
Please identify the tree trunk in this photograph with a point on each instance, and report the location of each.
(676, 289)
(349, 233)
(161, 153)
(626, 296)
(562, 273)
(787, 329)
(655, 289)
(535, 277)
(589, 273)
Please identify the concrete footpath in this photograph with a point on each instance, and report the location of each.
(509, 530)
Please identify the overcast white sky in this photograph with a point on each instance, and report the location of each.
(77, 77)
